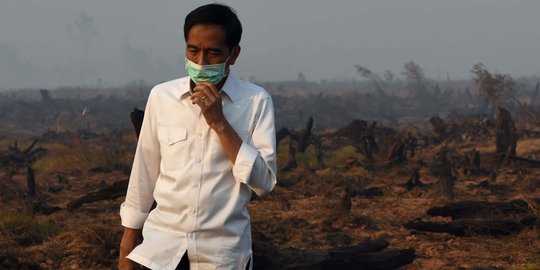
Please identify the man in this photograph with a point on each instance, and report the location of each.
(207, 141)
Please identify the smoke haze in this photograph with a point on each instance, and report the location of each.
(55, 43)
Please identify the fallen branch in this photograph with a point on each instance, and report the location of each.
(117, 189)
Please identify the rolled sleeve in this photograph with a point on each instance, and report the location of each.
(255, 163)
(244, 163)
(132, 218)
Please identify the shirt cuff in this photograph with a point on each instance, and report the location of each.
(244, 163)
(132, 218)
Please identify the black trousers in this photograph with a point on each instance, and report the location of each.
(184, 263)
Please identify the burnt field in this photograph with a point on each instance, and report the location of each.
(402, 189)
(463, 195)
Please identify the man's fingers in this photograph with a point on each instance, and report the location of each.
(212, 89)
(208, 95)
(197, 97)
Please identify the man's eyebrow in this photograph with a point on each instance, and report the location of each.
(211, 49)
(214, 50)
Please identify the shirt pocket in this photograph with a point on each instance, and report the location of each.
(173, 143)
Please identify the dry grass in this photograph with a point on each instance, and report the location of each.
(90, 245)
(535, 265)
(22, 228)
(305, 211)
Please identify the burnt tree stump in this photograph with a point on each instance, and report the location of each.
(397, 153)
(506, 136)
(305, 138)
(31, 182)
(137, 117)
(362, 135)
(443, 168)
(414, 180)
(282, 134)
(291, 164)
(319, 152)
(439, 126)
(472, 162)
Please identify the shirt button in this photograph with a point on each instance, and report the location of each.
(193, 211)
(199, 160)
(196, 186)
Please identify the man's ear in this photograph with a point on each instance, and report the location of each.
(234, 55)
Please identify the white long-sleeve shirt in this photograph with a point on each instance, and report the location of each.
(201, 195)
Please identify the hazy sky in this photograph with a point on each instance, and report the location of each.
(44, 43)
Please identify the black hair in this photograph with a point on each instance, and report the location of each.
(218, 14)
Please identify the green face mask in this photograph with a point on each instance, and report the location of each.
(206, 73)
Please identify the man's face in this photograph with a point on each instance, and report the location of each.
(206, 45)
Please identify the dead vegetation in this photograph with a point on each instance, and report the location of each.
(350, 191)
(461, 195)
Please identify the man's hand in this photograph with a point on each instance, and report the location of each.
(208, 98)
(130, 239)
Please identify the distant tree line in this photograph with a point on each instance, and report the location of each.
(387, 99)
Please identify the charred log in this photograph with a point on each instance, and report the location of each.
(530, 162)
(479, 217)
(465, 227)
(440, 227)
(369, 254)
(474, 209)
(117, 189)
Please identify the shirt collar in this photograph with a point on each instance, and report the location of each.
(229, 87)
